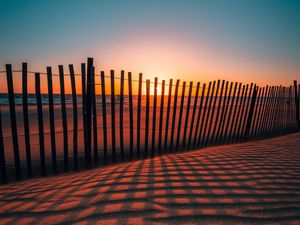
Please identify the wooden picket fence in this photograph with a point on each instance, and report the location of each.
(181, 117)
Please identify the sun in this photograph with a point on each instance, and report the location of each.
(152, 90)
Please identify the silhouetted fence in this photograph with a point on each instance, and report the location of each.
(108, 119)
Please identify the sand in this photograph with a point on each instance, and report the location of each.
(250, 183)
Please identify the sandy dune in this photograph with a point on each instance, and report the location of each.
(249, 183)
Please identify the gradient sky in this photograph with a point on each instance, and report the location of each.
(200, 40)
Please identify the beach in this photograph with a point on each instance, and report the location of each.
(250, 183)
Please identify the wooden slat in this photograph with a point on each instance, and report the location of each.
(64, 117)
(161, 116)
(104, 119)
(180, 115)
(83, 97)
(240, 116)
(245, 112)
(2, 154)
(212, 140)
(25, 119)
(250, 115)
(138, 131)
(75, 117)
(52, 120)
(208, 115)
(121, 115)
(198, 137)
(260, 113)
(187, 116)
(297, 104)
(154, 117)
(113, 118)
(237, 120)
(256, 112)
(94, 118)
(168, 116)
(192, 127)
(212, 115)
(39, 105)
(235, 105)
(174, 115)
(13, 121)
(225, 132)
(224, 111)
(147, 117)
(130, 115)
(88, 113)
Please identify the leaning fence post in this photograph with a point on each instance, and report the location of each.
(25, 118)
(249, 120)
(297, 104)
(64, 117)
(39, 105)
(75, 117)
(13, 121)
(51, 120)
(130, 114)
(2, 154)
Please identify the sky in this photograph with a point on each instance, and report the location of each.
(194, 40)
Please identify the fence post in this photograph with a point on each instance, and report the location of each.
(168, 115)
(161, 116)
(249, 120)
(180, 115)
(64, 117)
(297, 104)
(130, 114)
(13, 121)
(113, 119)
(25, 119)
(147, 117)
(187, 116)
(154, 117)
(121, 115)
(94, 116)
(51, 120)
(174, 115)
(83, 95)
(75, 117)
(103, 95)
(88, 109)
(2, 154)
(39, 105)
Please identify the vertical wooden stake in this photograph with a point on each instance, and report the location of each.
(180, 115)
(52, 120)
(174, 115)
(161, 116)
(2, 154)
(25, 119)
(147, 117)
(138, 131)
(130, 114)
(121, 115)
(193, 115)
(13, 121)
(168, 115)
(297, 104)
(154, 118)
(187, 116)
(103, 95)
(75, 117)
(113, 119)
(39, 105)
(64, 117)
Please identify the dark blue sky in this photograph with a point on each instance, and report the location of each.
(257, 40)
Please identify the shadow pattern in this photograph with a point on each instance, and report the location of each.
(250, 183)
